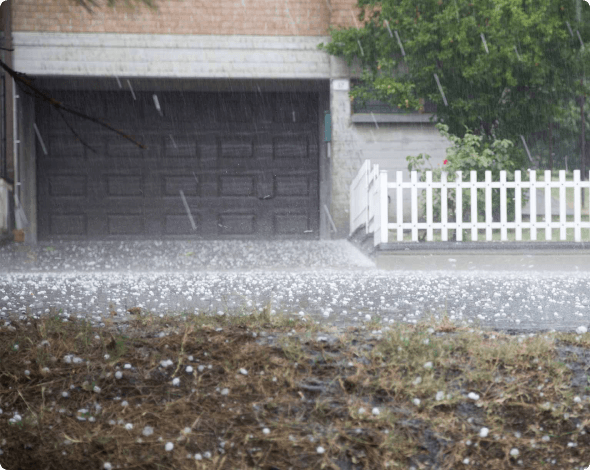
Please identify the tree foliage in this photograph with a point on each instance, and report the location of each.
(470, 153)
(532, 62)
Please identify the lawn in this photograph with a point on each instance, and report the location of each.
(261, 391)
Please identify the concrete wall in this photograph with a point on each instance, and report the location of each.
(170, 56)
(386, 144)
(390, 144)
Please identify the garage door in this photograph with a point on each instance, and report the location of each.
(218, 165)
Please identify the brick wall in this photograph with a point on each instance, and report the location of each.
(241, 17)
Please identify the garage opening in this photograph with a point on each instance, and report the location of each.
(218, 165)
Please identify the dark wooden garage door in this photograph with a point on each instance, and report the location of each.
(219, 165)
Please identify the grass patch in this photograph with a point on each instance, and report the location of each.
(268, 391)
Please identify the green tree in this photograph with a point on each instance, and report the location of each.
(505, 66)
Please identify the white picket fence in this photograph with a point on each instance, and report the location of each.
(369, 205)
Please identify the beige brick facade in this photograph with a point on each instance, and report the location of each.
(223, 17)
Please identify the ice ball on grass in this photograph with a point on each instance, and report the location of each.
(440, 395)
(375, 411)
(169, 446)
(189, 370)
(483, 432)
(147, 431)
(514, 452)
(176, 382)
(320, 450)
(473, 396)
(581, 330)
(416, 401)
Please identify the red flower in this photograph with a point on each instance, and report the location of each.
(445, 162)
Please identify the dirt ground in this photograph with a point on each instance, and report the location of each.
(257, 391)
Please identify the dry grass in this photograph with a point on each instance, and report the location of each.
(352, 393)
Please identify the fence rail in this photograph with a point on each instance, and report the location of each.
(369, 205)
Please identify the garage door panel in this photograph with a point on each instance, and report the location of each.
(64, 146)
(237, 223)
(207, 148)
(180, 224)
(125, 224)
(120, 152)
(244, 186)
(291, 223)
(173, 184)
(68, 186)
(294, 146)
(68, 224)
(232, 146)
(180, 147)
(124, 185)
(292, 185)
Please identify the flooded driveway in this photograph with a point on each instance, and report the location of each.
(331, 281)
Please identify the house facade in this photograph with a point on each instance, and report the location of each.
(248, 127)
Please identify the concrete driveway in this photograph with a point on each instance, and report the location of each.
(330, 280)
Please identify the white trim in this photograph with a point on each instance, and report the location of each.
(174, 56)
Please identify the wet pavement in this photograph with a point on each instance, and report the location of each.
(331, 281)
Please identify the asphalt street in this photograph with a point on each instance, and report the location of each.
(331, 281)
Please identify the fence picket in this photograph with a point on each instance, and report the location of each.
(488, 206)
(562, 214)
(518, 206)
(503, 208)
(533, 204)
(548, 217)
(400, 208)
(459, 209)
(383, 207)
(414, 207)
(473, 206)
(429, 233)
(444, 208)
(577, 207)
